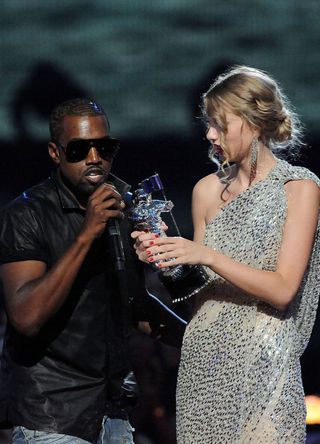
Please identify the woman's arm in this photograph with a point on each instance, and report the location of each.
(276, 288)
(199, 210)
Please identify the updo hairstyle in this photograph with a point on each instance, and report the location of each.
(256, 98)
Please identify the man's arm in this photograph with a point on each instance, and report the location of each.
(32, 293)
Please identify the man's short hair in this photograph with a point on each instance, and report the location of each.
(73, 107)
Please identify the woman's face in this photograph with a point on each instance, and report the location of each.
(237, 138)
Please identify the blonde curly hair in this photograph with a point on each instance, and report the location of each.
(257, 98)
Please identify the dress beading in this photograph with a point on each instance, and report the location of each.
(239, 376)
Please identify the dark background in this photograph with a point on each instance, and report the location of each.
(147, 63)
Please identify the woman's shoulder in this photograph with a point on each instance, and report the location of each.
(289, 173)
(205, 188)
(210, 181)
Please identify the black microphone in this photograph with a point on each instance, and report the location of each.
(115, 244)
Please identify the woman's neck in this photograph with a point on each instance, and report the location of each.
(265, 162)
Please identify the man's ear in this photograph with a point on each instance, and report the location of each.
(54, 152)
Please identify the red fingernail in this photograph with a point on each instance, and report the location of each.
(151, 243)
(157, 235)
(148, 252)
(150, 259)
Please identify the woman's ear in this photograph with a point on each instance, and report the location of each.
(54, 152)
(256, 132)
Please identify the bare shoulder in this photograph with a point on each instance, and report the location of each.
(302, 189)
(207, 185)
(303, 200)
(206, 198)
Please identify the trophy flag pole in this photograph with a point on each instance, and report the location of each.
(154, 183)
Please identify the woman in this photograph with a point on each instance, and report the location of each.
(256, 232)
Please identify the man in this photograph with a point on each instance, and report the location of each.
(64, 356)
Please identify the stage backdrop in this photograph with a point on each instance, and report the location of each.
(148, 62)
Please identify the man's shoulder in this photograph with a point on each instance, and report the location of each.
(32, 199)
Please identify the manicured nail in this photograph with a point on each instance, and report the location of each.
(157, 235)
(148, 252)
(150, 259)
(151, 243)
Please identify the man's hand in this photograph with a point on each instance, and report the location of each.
(33, 293)
(103, 204)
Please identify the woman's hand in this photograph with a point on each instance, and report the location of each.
(174, 251)
(142, 242)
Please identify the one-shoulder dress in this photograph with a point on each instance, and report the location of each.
(239, 377)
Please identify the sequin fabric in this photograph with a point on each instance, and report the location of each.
(239, 377)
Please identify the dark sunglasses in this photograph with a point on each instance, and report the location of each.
(77, 150)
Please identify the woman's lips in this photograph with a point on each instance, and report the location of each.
(218, 150)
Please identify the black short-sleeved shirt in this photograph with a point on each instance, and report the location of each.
(65, 378)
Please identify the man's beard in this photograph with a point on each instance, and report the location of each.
(82, 190)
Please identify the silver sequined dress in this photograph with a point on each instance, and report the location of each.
(239, 377)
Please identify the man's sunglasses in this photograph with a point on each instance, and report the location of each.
(77, 150)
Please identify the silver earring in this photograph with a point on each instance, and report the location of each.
(254, 158)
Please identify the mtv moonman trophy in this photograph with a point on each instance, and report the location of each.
(182, 281)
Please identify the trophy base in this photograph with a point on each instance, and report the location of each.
(184, 281)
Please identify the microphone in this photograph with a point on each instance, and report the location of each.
(115, 243)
